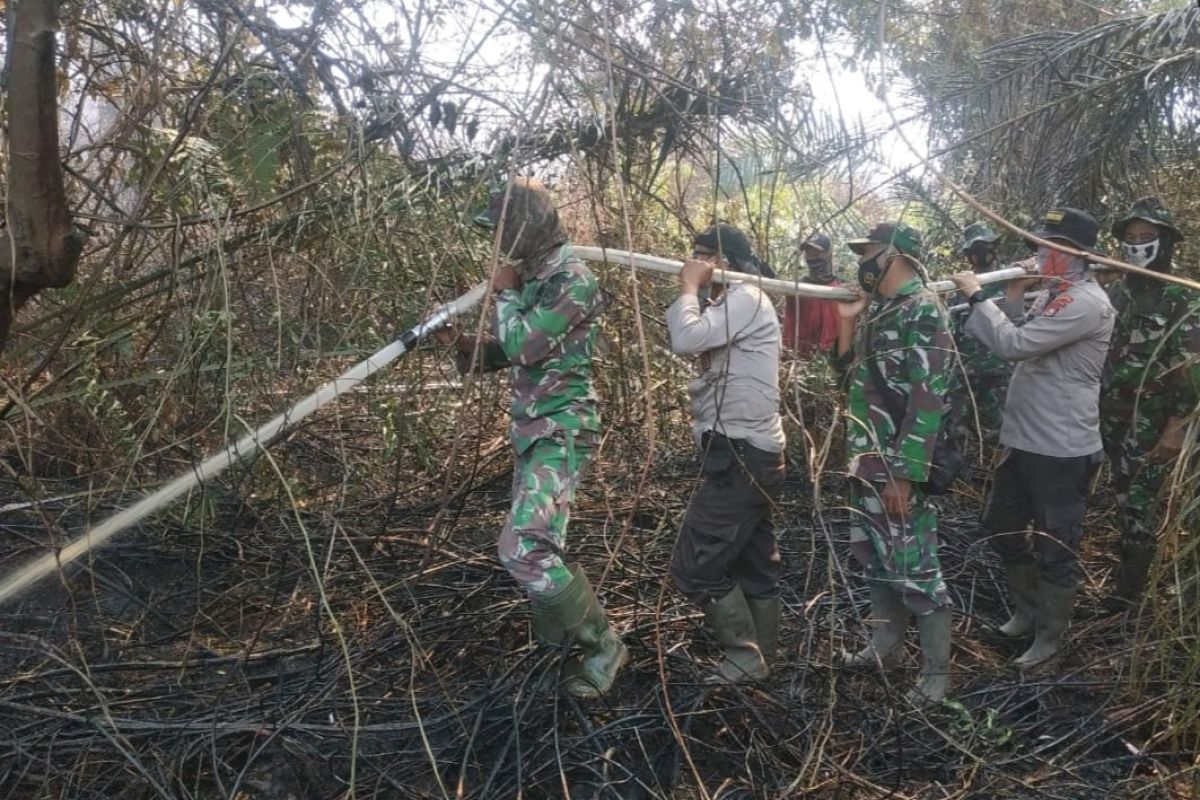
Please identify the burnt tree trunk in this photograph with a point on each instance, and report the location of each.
(40, 246)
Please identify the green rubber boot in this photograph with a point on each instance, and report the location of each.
(1050, 623)
(733, 626)
(1023, 594)
(574, 612)
(766, 612)
(891, 618)
(935, 630)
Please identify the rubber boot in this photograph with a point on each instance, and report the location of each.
(766, 612)
(935, 631)
(891, 619)
(1131, 573)
(733, 626)
(1050, 623)
(574, 612)
(1022, 594)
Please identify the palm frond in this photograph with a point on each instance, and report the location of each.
(1058, 117)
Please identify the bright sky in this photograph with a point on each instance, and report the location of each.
(497, 61)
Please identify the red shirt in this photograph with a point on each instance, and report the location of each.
(810, 325)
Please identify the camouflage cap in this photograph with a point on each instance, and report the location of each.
(1148, 209)
(904, 238)
(977, 232)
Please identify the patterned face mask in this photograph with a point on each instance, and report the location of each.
(1141, 255)
(1056, 264)
(871, 271)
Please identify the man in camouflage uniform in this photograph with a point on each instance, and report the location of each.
(900, 359)
(986, 374)
(544, 326)
(1051, 430)
(726, 559)
(1152, 384)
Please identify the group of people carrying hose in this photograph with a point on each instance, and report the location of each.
(1082, 371)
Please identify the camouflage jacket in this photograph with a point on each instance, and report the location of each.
(908, 339)
(1153, 368)
(978, 362)
(545, 333)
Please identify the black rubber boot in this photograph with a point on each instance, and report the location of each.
(733, 626)
(1131, 573)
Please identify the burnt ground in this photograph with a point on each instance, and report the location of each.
(196, 657)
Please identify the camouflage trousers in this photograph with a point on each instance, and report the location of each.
(1137, 483)
(901, 552)
(989, 392)
(545, 476)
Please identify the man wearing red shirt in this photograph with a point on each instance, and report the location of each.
(811, 325)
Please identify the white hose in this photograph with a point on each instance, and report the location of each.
(256, 440)
(666, 266)
(249, 444)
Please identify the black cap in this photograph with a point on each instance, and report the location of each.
(726, 240)
(818, 241)
(735, 247)
(1071, 225)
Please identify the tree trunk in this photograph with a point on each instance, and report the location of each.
(41, 247)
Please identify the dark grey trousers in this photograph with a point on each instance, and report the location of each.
(728, 534)
(1050, 492)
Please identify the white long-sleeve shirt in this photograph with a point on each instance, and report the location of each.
(737, 339)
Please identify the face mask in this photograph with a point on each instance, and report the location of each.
(982, 261)
(1140, 255)
(820, 269)
(871, 272)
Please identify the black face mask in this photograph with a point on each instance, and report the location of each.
(871, 272)
(982, 260)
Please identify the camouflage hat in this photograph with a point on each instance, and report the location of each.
(1071, 225)
(904, 238)
(977, 232)
(1148, 209)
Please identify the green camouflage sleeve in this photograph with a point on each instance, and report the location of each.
(564, 301)
(927, 347)
(1186, 349)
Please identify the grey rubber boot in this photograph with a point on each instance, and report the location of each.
(574, 611)
(766, 612)
(733, 626)
(1022, 593)
(1131, 573)
(935, 630)
(890, 617)
(1050, 623)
